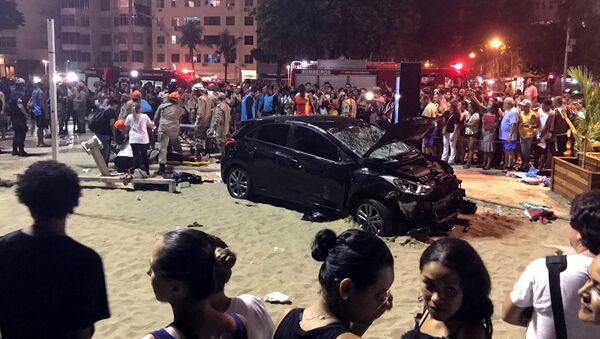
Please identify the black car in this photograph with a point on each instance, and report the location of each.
(345, 166)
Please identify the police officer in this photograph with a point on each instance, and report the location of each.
(18, 116)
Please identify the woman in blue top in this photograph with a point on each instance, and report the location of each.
(182, 269)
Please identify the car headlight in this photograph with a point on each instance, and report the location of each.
(409, 187)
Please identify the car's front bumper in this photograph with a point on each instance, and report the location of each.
(422, 212)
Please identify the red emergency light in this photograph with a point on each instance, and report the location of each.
(551, 76)
(458, 66)
(186, 71)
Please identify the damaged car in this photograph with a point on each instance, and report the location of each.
(347, 167)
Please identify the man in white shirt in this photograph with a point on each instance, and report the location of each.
(530, 305)
(545, 143)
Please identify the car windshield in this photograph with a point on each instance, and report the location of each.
(360, 139)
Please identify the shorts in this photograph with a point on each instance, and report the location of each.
(41, 121)
(510, 145)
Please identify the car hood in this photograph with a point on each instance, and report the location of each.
(406, 130)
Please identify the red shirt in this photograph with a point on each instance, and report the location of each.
(301, 105)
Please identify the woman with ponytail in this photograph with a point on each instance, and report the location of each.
(258, 320)
(355, 278)
(182, 269)
(138, 124)
(455, 288)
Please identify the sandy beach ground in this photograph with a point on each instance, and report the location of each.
(273, 244)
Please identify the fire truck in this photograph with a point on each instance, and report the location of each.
(365, 74)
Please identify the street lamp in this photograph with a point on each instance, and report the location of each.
(45, 62)
(496, 43)
(472, 55)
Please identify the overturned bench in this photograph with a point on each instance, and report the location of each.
(171, 183)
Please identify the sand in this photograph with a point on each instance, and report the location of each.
(122, 225)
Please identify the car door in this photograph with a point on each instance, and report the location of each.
(317, 173)
(265, 148)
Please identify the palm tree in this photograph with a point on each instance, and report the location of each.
(588, 126)
(191, 36)
(226, 48)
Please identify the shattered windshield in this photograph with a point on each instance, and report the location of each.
(360, 139)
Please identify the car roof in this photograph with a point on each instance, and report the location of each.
(324, 122)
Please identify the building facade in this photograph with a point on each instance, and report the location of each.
(215, 17)
(22, 50)
(99, 33)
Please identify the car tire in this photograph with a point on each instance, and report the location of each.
(239, 184)
(375, 217)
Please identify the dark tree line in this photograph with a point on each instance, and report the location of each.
(440, 30)
(10, 16)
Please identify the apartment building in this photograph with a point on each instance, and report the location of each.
(22, 50)
(215, 16)
(97, 33)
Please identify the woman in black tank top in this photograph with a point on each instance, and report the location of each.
(455, 287)
(355, 278)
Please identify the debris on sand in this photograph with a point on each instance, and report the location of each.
(278, 298)
(195, 224)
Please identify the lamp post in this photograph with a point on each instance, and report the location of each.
(45, 62)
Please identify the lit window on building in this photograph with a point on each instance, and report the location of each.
(214, 58)
(173, 39)
(212, 3)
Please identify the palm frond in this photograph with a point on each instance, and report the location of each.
(588, 127)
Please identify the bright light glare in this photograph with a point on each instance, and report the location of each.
(72, 77)
(397, 96)
(458, 66)
(134, 74)
(56, 78)
(304, 64)
(472, 55)
(427, 65)
(491, 82)
(369, 96)
(496, 43)
(36, 79)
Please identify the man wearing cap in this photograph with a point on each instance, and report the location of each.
(220, 121)
(167, 119)
(80, 106)
(528, 125)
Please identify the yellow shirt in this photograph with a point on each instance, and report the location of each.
(526, 122)
(430, 111)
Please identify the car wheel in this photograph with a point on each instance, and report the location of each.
(239, 184)
(375, 217)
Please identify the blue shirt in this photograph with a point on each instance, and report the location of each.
(35, 99)
(510, 118)
(245, 103)
(268, 103)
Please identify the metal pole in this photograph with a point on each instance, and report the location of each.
(567, 50)
(130, 36)
(397, 100)
(53, 99)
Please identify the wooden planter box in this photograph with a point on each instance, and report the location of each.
(569, 179)
(592, 161)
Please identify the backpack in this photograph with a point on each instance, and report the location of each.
(95, 123)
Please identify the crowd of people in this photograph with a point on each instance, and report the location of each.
(504, 132)
(210, 112)
(54, 287)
